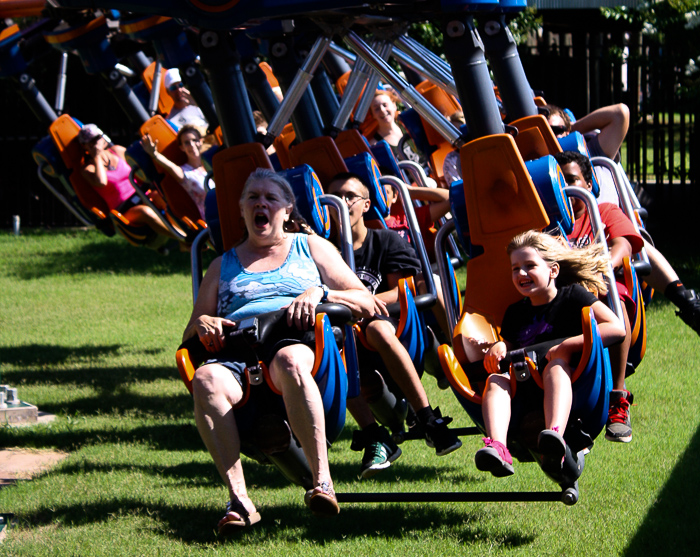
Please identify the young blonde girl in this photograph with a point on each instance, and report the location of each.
(557, 282)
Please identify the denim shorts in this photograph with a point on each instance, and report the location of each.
(237, 369)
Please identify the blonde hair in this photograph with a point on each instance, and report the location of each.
(584, 266)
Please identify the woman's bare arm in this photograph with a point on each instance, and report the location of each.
(345, 287)
(170, 167)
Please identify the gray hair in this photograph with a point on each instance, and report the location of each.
(267, 175)
(296, 222)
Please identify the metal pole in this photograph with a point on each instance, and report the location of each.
(340, 51)
(385, 50)
(155, 89)
(437, 73)
(445, 277)
(598, 234)
(61, 86)
(298, 87)
(416, 239)
(405, 90)
(353, 90)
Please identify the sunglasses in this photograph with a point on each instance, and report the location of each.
(559, 130)
(175, 86)
(350, 198)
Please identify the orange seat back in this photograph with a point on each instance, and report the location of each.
(282, 144)
(351, 143)
(232, 166)
(437, 161)
(219, 135)
(271, 79)
(166, 136)
(369, 127)
(501, 202)
(321, 154)
(540, 123)
(445, 103)
(11, 30)
(342, 82)
(165, 103)
(531, 144)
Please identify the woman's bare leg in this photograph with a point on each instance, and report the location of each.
(216, 391)
(290, 371)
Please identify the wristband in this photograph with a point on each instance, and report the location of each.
(326, 290)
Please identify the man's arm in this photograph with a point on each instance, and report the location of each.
(439, 199)
(613, 122)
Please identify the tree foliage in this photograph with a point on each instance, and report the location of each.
(673, 25)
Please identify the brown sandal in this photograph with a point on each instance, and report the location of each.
(321, 500)
(246, 520)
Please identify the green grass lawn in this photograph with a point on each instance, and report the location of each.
(89, 328)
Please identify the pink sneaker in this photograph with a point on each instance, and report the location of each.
(494, 458)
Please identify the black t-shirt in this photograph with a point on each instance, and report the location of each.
(525, 324)
(382, 253)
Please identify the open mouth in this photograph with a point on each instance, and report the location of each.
(525, 283)
(261, 220)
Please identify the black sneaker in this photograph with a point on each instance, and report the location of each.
(552, 448)
(690, 310)
(379, 451)
(438, 436)
(619, 427)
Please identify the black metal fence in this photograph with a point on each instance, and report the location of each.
(582, 69)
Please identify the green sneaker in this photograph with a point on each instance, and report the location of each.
(379, 450)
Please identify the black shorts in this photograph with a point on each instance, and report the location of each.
(133, 201)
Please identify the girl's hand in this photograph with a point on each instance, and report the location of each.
(149, 146)
(211, 331)
(302, 311)
(493, 357)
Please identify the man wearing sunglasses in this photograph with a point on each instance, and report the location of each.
(611, 121)
(185, 110)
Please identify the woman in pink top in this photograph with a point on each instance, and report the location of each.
(106, 170)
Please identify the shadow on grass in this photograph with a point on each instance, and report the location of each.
(101, 255)
(671, 525)
(281, 523)
(37, 365)
(122, 402)
(37, 355)
(69, 438)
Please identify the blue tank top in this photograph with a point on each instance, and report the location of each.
(244, 294)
